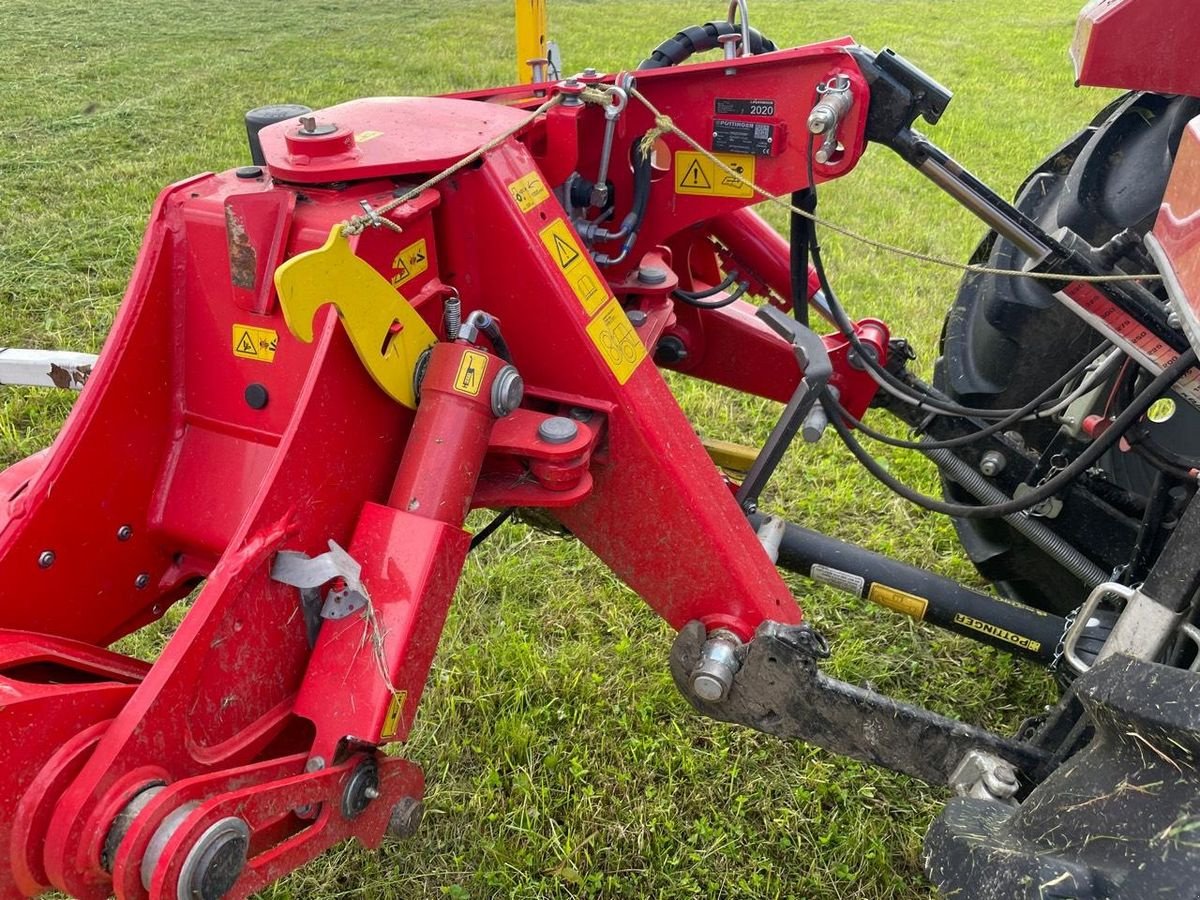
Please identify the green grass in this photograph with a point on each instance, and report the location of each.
(561, 762)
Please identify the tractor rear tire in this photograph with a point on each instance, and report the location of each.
(1005, 338)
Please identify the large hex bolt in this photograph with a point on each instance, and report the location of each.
(406, 818)
(713, 675)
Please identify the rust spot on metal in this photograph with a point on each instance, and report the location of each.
(69, 377)
(243, 261)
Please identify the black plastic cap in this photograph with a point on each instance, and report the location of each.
(260, 118)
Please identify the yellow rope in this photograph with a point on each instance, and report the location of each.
(664, 125)
(357, 223)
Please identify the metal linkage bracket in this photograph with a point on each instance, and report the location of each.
(780, 690)
(814, 363)
(310, 573)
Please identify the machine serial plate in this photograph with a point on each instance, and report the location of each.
(733, 136)
(730, 107)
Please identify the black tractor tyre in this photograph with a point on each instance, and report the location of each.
(1005, 339)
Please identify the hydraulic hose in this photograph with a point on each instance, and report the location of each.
(1136, 409)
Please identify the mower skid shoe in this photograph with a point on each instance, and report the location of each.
(780, 690)
(1117, 820)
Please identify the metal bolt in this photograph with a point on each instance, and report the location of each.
(590, 72)
(124, 533)
(580, 414)
(315, 764)
(1173, 319)
(406, 818)
(508, 390)
(371, 793)
(141, 581)
(993, 463)
(729, 44)
(713, 676)
(651, 275)
(46, 559)
(308, 123)
(636, 317)
(557, 430)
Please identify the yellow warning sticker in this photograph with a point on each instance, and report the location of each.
(565, 252)
(617, 340)
(409, 263)
(995, 631)
(391, 721)
(470, 373)
(899, 601)
(529, 191)
(363, 136)
(255, 343)
(699, 175)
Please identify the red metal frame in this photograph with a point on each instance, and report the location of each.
(224, 439)
(1138, 45)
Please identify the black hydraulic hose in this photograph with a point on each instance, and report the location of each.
(700, 39)
(490, 528)
(1043, 492)
(632, 223)
(987, 431)
(798, 240)
(700, 299)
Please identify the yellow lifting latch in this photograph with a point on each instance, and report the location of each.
(387, 332)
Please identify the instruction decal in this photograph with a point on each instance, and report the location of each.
(471, 370)
(836, 578)
(899, 601)
(391, 721)
(409, 263)
(698, 175)
(528, 191)
(565, 252)
(255, 343)
(617, 340)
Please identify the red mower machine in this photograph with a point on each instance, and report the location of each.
(409, 308)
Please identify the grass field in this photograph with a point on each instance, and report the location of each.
(561, 761)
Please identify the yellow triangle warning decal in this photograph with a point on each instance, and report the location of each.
(565, 252)
(246, 345)
(695, 177)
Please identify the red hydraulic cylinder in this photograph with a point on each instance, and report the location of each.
(450, 435)
(367, 672)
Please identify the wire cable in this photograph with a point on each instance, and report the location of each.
(490, 528)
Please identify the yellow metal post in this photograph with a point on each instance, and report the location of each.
(531, 36)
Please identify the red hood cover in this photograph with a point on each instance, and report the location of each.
(382, 137)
